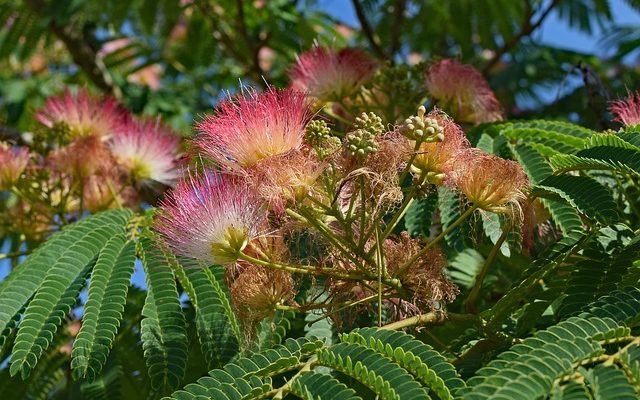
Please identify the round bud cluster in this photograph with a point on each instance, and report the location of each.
(61, 129)
(317, 132)
(424, 129)
(369, 122)
(318, 135)
(361, 143)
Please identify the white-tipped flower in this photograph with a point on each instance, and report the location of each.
(211, 218)
(148, 151)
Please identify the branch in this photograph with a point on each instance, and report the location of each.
(9, 134)
(398, 15)
(253, 49)
(527, 29)
(366, 28)
(83, 55)
(228, 43)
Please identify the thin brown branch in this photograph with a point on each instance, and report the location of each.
(229, 44)
(526, 30)
(12, 135)
(83, 55)
(366, 28)
(398, 15)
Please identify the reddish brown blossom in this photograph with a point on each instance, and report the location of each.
(491, 183)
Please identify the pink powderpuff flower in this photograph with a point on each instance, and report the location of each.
(148, 151)
(253, 127)
(212, 218)
(627, 111)
(331, 75)
(82, 115)
(464, 90)
(13, 161)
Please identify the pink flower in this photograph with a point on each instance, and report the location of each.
(211, 218)
(464, 90)
(13, 161)
(627, 111)
(253, 127)
(329, 75)
(148, 150)
(82, 115)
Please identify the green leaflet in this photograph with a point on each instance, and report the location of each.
(218, 330)
(163, 328)
(104, 307)
(384, 377)
(584, 193)
(424, 363)
(419, 215)
(67, 260)
(316, 386)
(249, 376)
(85, 238)
(609, 382)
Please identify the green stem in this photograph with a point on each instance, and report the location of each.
(432, 243)
(329, 236)
(422, 319)
(300, 269)
(472, 299)
(347, 304)
(381, 272)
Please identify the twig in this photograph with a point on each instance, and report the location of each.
(83, 55)
(229, 44)
(472, 299)
(398, 15)
(422, 319)
(366, 28)
(527, 29)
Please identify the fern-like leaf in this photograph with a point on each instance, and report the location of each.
(426, 364)
(59, 250)
(58, 292)
(584, 193)
(163, 329)
(384, 377)
(316, 386)
(103, 310)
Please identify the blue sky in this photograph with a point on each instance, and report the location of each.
(553, 31)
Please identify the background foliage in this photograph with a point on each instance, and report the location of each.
(561, 323)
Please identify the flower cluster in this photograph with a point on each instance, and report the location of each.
(272, 174)
(90, 154)
(13, 161)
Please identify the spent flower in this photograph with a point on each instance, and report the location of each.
(491, 183)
